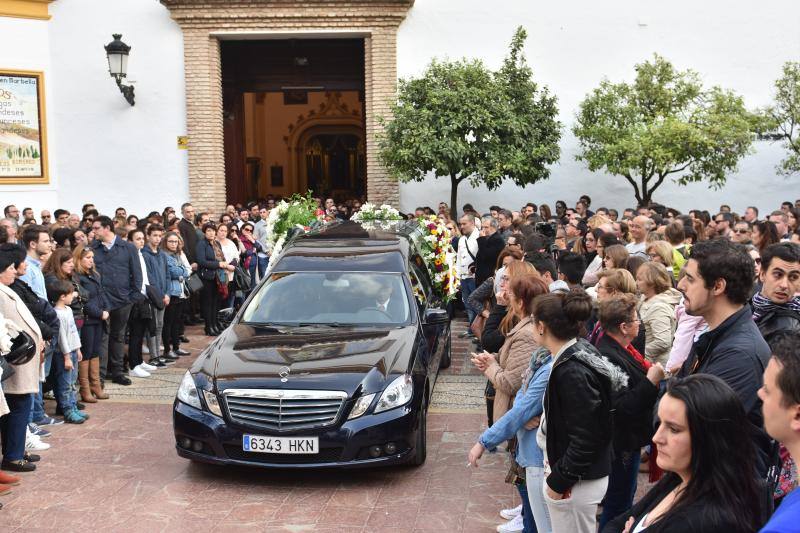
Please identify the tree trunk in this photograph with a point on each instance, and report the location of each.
(454, 181)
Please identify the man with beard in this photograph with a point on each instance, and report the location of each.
(717, 283)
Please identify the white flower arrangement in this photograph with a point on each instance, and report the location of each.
(370, 213)
(298, 212)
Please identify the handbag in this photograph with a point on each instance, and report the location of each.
(241, 280)
(478, 323)
(194, 283)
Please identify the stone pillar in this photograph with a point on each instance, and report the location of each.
(204, 120)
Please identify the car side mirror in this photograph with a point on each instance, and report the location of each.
(436, 316)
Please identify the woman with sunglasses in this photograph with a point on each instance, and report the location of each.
(252, 249)
(633, 407)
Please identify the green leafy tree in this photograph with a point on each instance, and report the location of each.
(663, 124)
(462, 121)
(784, 116)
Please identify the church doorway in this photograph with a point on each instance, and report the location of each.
(293, 112)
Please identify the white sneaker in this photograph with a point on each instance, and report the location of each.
(513, 526)
(148, 367)
(140, 372)
(34, 443)
(510, 514)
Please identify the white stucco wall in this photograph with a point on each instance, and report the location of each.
(573, 44)
(110, 153)
(101, 149)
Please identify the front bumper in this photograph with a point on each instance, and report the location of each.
(345, 445)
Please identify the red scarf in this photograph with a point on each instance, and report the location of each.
(639, 358)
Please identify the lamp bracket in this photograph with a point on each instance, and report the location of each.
(126, 90)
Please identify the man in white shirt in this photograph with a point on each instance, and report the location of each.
(467, 250)
(640, 227)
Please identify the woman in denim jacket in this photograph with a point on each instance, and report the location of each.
(524, 414)
(177, 274)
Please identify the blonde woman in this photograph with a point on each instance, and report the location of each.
(657, 310)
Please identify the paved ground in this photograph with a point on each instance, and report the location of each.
(119, 472)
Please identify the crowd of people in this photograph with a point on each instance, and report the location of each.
(588, 327)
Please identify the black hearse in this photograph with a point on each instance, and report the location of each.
(331, 361)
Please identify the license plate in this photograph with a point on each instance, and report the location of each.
(256, 444)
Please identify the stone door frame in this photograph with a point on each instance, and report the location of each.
(207, 22)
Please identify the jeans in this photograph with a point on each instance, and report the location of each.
(36, 412)
(91, 340)
(467, 286)
(578, 513)
(138, 329)
(621, 485)
(257, 264)
(14, 426)
(173, 318)
(534, 478)
(209, 302)
(528, 524)
(154, 341)
(65, 397)
(115, 359)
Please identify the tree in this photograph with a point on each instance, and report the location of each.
(462, 121)
(784, 116)
(663, 124)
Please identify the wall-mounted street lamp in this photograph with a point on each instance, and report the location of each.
(117, 53)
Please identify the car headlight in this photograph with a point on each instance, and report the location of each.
(398, 393)
(213, 403)
(187, 392)
(361, 406)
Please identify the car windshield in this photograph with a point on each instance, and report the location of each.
(329, 298)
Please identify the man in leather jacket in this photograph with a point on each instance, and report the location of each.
(776, 307)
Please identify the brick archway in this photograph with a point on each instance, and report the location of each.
(206, 22)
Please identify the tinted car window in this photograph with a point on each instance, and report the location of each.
(292, 298)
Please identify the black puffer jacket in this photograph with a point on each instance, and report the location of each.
(778, 319)
(486, 258)
(633, 406)
(578, 426)
(42, 311)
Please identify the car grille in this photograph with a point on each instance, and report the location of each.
(283, 410)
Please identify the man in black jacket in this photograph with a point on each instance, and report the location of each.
(120, 270)
(490, 244)
(188, 232)
(775, 306)
(718, 280)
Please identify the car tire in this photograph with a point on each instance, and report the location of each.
(421, 442)
(446, 359)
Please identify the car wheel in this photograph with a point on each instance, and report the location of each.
(446, 359)
(421, 443)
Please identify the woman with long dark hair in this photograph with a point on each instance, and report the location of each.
(211, 263)
(702, 444)
(765, 233)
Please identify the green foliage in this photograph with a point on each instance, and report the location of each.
(664, 123)
(299, 212)
(463, 121)
(784, 116)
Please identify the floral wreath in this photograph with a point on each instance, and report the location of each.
(439, 256)
(299, 213)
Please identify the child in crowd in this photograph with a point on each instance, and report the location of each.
(61, 294)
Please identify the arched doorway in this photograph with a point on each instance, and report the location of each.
(331, 161)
